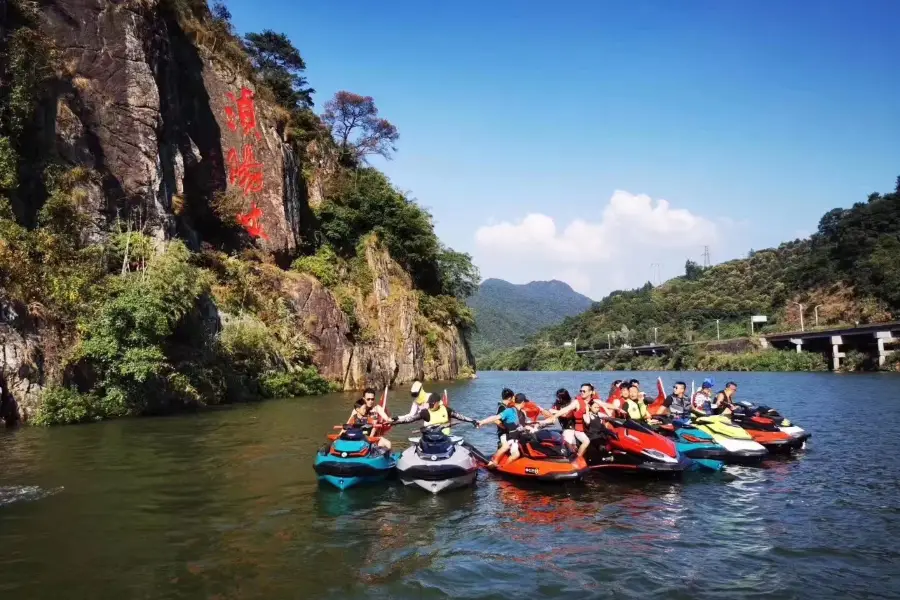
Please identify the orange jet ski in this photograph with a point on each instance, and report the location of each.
(545, 456)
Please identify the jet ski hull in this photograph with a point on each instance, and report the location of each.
(701, 450)
(437, 465)
(742, 452)
(435, 486)
(543, 470)
(636, 449)
(544, 457)
(348, 463)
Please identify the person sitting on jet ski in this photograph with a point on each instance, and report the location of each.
(724, 402)
(570, 414)
(596, 421)
(642, 396)
(514, 422)
(374, 411)
(362, 417)
(635, 407)
(676, 403)
(437, 413)
(701, 403)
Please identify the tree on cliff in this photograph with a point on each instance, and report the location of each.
(357, 128)
(281, 68)
(459, 277)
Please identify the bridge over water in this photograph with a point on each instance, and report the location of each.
(833, 342)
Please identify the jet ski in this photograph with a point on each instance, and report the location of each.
(436, 461)
(353, 458)
(750, 415)
(634, 448)
(544, 456)
(773, 440)
(689, 440)
(741, 447)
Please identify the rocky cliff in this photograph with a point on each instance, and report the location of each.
(184, 144)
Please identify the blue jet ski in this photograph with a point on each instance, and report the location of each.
(354, 458)
(697, 445)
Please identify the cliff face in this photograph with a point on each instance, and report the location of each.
(186, 142)
(397, 345)
(168, 129)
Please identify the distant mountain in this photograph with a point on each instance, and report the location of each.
(506, 314)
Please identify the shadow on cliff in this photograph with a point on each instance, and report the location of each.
(190, 128)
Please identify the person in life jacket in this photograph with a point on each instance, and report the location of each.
(642, 396)
(506, 400)
(374, 410)
(533, 411)
(570, 414)
(363, 416)
(615, 406)
(436, 413)
(636, 408)
(701, 403)
(515, 423)
(419, 398)
(724, 402)
(678, 405)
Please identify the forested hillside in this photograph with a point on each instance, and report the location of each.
(850, 268)
(507, 314)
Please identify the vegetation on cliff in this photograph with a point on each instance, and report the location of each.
(144, 325)
(850, 267)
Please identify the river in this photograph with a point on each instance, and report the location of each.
(225, 504)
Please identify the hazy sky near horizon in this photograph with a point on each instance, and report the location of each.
(585, 140)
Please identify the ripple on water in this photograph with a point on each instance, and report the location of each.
(24, 493)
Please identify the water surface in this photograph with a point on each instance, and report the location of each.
(225, 504)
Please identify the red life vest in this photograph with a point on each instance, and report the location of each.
(579, 413)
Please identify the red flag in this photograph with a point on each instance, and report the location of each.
(445, 399)
(384, 399)
(660, 396)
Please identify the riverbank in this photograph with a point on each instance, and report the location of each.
(688, 358)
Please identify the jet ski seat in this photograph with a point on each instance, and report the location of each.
(435, 443)
(353, 435)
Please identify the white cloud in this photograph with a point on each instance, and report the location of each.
(596, 257)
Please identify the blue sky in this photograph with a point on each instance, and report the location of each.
(750, 118)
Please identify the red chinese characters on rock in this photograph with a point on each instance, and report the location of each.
(250, 222)
(244, 170)
(245, 113)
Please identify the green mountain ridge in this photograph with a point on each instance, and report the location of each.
(507, 314)
(849, 268)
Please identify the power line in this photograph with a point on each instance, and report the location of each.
(655, 273)
(705, 256)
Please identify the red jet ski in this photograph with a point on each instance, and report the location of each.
(634, 448)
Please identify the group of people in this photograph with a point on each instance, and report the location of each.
(582, 418)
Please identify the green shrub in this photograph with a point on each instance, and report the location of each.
(125, 337)
(65, 406)
(303, 382)
(323, 265)
(248, 345)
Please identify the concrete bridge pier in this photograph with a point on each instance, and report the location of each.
(884, 337)
(836, 354)
(798, 342)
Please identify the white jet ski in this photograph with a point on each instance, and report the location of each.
(437, 462)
